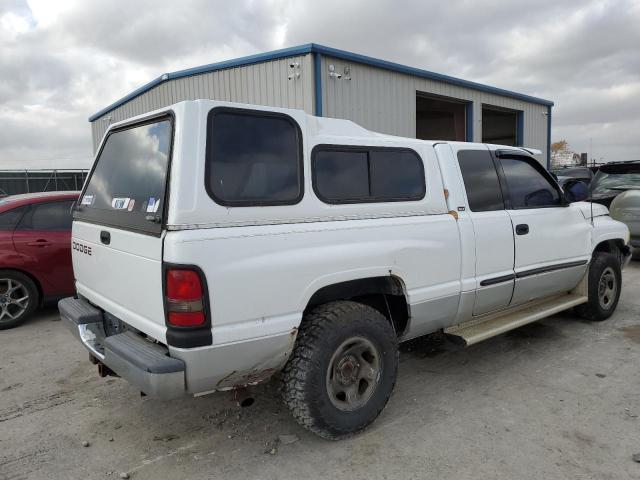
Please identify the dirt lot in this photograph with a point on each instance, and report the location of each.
(557, 399)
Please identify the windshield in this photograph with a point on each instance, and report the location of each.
(612, 183)
(127, 186)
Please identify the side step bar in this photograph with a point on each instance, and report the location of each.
(480, 329)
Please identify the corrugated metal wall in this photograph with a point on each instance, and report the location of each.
(385, 101)
(380, 100)
(263, 83)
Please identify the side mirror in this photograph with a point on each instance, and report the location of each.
(576, 191)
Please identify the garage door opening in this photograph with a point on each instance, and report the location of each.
(501, 126)
(441, 118)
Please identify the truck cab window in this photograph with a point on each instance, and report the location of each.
(528, 188)
(480, 180)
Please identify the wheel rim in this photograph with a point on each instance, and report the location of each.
(353, 373)
(607, 288)
(14, 299)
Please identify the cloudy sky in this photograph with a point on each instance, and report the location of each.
(61, 61)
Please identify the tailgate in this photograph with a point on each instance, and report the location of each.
(123, 277)
(117, 231)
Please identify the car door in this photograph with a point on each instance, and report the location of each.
(493, 232)
(43, 237)
(552, 239)
(8, 220)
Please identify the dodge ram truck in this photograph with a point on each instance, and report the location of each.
(216, 245)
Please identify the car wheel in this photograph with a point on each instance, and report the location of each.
(605, 283)
(342, 370)
(18, 298)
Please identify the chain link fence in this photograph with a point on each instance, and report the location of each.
(13, 182)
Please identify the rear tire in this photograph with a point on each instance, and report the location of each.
(605, 283)
(19, 298)
(342, 370)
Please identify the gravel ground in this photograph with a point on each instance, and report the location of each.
(556, 399)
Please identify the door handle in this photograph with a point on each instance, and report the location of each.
(522, 229)
(105, 237)
(41, 242)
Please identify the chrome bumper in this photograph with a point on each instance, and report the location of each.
(142, 363)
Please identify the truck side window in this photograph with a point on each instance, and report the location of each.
(343, 174)
(253, 158)
(480, 180)
(528, 188)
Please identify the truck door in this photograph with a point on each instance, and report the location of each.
(474, 192)
(552, 238)
(492, 228)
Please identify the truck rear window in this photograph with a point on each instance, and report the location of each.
(126, 188)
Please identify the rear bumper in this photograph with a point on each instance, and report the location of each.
(142, 363)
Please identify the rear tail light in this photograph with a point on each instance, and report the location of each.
(185, 298)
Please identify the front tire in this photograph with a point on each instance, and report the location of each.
(18, 298)
(342, 370)
(605, 283)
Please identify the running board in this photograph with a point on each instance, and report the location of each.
(480, 329)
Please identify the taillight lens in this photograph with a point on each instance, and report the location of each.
(183, 285)
(185, 303)
(186, 319)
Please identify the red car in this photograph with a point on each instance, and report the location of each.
(35, 253)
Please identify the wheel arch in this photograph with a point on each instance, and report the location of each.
(612, 245)
(387, 294)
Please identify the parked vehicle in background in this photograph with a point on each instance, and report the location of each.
(35, 253)
(626, 209)
(614, 178)
(217, 244)
(567, 173)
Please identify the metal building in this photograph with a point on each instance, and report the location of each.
(381, 96)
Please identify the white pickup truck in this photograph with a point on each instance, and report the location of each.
(218, 244)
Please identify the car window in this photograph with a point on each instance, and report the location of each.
(480, 180)
(253, 158)
(9, 219)
(343, 174)
(48, 216)
(615, 178)
(528, 188)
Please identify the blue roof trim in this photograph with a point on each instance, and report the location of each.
(212, 67)
(315, 48)
(396, 67)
